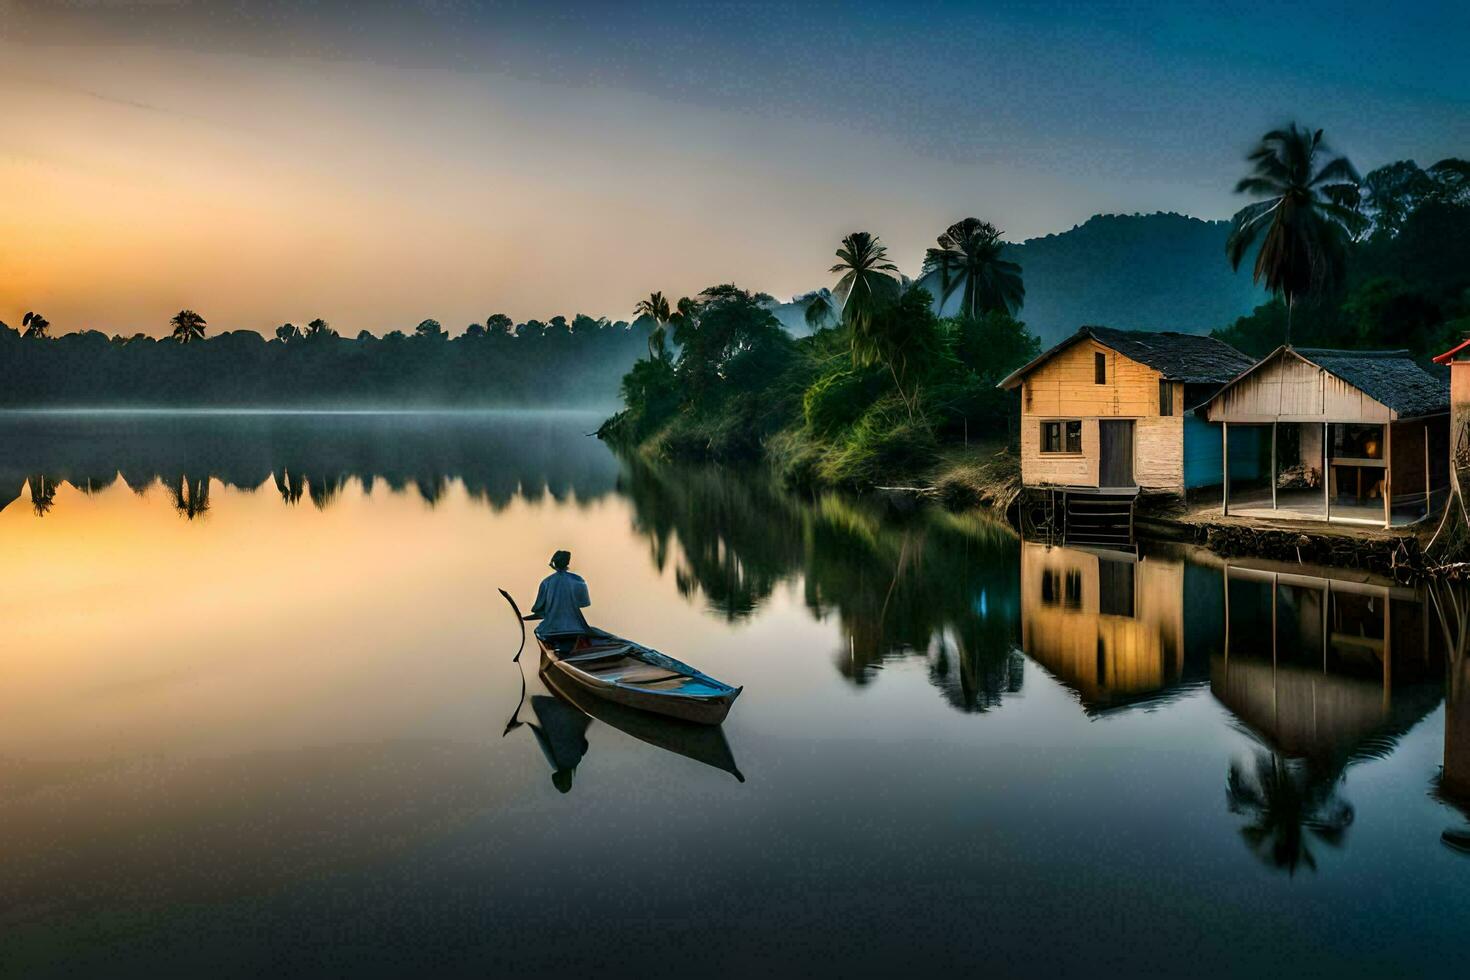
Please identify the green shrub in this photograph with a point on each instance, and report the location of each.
(838, 399)
(884, 443)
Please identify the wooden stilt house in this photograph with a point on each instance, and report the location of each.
(1333, 435)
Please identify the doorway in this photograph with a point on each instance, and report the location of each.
(1115, 445)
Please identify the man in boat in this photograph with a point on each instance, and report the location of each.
(559, 604)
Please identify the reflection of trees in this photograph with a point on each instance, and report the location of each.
(323, 489)
(190, 495)
(737, 539)
(290, 485)
(43, 492)
(499, 458)
(934, 585)
(1289, 804)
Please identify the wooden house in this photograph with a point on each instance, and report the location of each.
(1336, 435)
(1107, 411)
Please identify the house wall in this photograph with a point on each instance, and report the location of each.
(1459, 413)
(1063, 387)
(1292, 390)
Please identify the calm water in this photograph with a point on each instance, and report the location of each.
(256, 678)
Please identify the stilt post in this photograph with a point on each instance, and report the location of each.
(1273, 465)
(1224, 468)
(1326, 475)
(1387, 474)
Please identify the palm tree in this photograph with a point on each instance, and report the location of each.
(188, 326)
(190, 496)
(43, 492)
(1305, 218)
(1289, 804)
(656, 307)
(819, 311)
(36, 325)
(684, 320)
(865, 285)
(969, 255)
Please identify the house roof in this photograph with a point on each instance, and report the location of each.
(1191, 358)
(1390, 377)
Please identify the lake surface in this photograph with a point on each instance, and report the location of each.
(255, 683)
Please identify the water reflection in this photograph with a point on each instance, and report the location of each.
(1350, 666)
(1452, 785)
(1322, 669)
(323, 717)
(1325, 671)
(499, 457)
(932, 586)
(1286, 802)
(1108, 624)
(564, 715)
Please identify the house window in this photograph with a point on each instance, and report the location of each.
(1166, 398)
(1100, 368)
(1063, 436)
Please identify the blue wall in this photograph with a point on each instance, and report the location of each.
(1202, 451)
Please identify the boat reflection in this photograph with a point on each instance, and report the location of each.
(564, 715)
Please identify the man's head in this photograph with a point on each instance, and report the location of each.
(561, 560)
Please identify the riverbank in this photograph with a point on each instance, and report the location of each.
(985, 477)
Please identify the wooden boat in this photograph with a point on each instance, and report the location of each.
(702, 743)
(631, 674)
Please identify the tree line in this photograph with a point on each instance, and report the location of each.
(882, 382)
(498, 362)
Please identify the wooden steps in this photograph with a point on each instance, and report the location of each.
(1099, 519)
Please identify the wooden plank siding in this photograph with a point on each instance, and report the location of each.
(1064, 387)
(1291, 389)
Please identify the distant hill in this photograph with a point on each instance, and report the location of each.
(1130, 271)
(1135, 272)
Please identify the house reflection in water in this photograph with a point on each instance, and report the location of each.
(1452, 785)
(1108, 624)
(1330, 669)
(1323, 669)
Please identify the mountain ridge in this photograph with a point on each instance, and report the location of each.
(1157, 271)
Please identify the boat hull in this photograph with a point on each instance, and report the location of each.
(702, 743)
(704, 708)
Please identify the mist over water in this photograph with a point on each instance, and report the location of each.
(257, 675)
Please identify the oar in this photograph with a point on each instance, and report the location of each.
(515, 721)
(519, 620)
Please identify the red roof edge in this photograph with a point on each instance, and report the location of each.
(1449, 355)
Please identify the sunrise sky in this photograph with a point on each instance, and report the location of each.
(378, 164)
